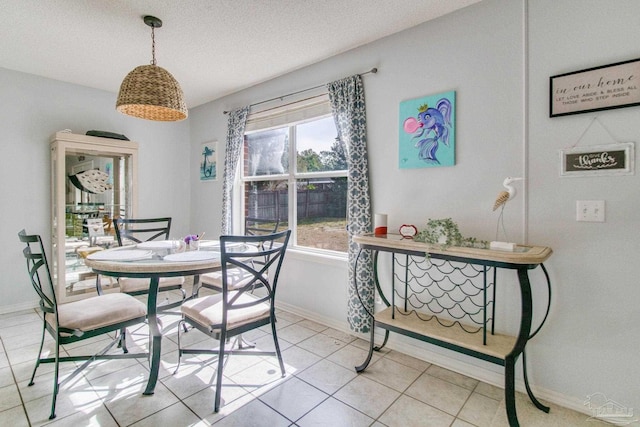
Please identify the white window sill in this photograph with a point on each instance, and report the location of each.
(335, 259)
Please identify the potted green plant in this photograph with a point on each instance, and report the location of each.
(445, 233)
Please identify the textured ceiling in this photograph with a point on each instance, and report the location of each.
(212, 47)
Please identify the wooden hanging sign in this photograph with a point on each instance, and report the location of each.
(610, 159)
(599, 88)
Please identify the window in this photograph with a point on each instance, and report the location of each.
(297, 173)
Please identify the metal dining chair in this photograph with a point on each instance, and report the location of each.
(258, 226)
(230, 313)
(78, 320)
(131, 231)
(252, 227)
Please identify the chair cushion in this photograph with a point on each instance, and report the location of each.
(130, 284)
(236, 278)
(97, 312)
(207, 311)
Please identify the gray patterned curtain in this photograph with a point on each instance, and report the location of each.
(347, 105)
(235, 138)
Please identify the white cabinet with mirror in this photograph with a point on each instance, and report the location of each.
(93, 181)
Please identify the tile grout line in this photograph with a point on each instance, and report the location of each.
(402, 393)
(332, 395)
(300, 379)
(382, 356)
(83, 374)
(322, 358)
(15, 382)
(462, 407)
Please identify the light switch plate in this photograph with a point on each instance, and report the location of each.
(590, 210)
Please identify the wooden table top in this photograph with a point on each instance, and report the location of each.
(521, 255)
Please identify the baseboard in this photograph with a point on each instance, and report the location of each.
(455, 364)
(18, 307)
(327, 321)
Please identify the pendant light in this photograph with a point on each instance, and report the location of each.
(151, 92)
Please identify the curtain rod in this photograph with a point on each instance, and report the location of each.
(371, 71)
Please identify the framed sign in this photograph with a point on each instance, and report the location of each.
(209, 161)
(611, 159)
(600, 88)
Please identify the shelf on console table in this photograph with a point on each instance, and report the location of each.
(496, 348)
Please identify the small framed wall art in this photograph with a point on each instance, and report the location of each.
(599, 160)
(599, 88)
(209, 161)
(427, 131)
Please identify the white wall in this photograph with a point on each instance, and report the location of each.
(421, 61)
(592, 342)
(33, 109)
(589, 342)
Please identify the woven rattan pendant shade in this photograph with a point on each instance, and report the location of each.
(150, 92)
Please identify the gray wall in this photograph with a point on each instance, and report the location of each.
(33, 109)
(589, 343)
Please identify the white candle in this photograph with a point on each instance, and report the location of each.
(380, 225)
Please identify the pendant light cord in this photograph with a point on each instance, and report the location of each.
(153, 45)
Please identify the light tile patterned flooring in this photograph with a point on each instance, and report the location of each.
(321, 387)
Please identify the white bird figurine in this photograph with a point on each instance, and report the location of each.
(506, 195)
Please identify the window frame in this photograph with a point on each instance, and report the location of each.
(292, 177)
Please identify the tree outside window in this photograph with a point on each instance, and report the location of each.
(310, 200)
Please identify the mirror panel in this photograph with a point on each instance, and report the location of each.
(93, 182)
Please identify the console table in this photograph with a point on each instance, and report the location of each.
(446, 297)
